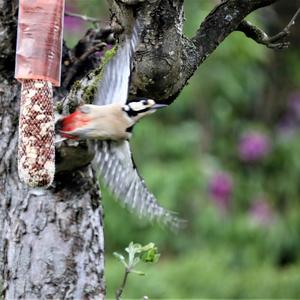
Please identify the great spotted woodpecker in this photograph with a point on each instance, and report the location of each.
(106, 122)
(109, 122)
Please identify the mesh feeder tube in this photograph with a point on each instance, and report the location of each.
(38, 61)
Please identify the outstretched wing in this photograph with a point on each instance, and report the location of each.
(113, 87)
(114, 162)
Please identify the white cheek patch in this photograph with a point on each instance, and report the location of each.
(140, 105)
(136, 106)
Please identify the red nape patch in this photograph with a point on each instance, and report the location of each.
(73, 122)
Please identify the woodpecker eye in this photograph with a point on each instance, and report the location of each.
(145, 102)
(126, 108)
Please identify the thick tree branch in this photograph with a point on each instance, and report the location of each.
(80, 60)
(274, 42)
(132, 2)
(78, 63)
(223, 20)
(166, 59)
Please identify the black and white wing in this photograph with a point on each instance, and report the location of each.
(114, 162)
(113, 88)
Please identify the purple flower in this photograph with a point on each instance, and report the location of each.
(253, 146)
(289, 122)
(73, 24)
(220, 189)
(287, 126)
(261, 212)
(294, 104)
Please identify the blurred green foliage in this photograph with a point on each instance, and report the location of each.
(242, 251)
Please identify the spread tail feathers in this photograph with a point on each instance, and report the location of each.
(113, 161)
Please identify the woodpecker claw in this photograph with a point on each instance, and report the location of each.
(59, 139)
(68, 135)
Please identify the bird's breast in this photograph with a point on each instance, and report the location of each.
(111, 125)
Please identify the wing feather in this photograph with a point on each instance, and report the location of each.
(113, 161)
(113, 88)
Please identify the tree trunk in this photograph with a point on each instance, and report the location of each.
(51, 240)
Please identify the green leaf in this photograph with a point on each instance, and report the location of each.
(151, 255)
(148, 247)
(137, 272)
(121, 258)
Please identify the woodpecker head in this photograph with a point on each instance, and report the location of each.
(141, 107)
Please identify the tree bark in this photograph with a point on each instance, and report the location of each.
(51, 240)
(166, 59)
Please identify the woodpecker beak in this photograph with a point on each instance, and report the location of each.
(158, 106)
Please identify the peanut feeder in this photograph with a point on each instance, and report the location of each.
(38, 61)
